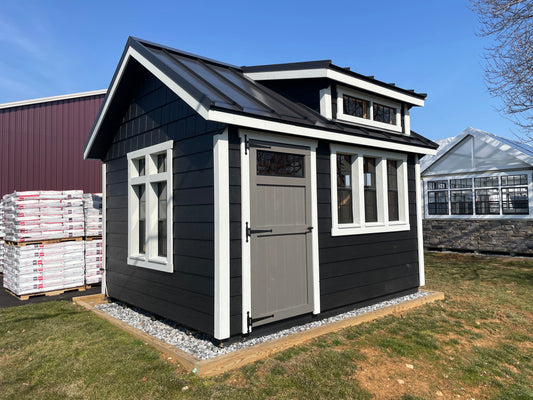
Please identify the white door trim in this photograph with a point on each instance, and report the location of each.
(245, 134)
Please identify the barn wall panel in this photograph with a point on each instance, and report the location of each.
(41, 146)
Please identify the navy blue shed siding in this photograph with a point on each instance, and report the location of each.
(154, 115)
(363, 268)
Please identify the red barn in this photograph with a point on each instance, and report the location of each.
(41, 144)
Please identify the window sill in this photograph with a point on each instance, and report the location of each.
(158, 263)
(373, 228)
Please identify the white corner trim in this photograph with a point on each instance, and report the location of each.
(104, 229)
(419, 227)
(325, 103)
(406, 121)
(222, 236)
(314, 233)
(52, 98)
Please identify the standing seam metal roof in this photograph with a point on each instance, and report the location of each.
(226, 88)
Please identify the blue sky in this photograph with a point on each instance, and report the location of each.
(50, 48)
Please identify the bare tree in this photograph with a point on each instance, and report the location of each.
(509, 59)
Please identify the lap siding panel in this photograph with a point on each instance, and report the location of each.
(154, 115)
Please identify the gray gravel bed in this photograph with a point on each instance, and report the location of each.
(200, 345)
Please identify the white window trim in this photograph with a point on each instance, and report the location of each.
(149, 260)
(359, 226)
(370, 120)
(447, 178)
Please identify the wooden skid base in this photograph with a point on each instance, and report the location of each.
(227, 362)
(90, 238)
(50, 293)
(48, 241)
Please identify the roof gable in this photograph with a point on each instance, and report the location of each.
(223, 93)
(477, 151)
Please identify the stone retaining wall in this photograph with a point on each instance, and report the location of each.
(484, 236)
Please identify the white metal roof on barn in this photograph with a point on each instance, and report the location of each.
(474, 150)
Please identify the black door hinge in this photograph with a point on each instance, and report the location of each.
(248, 144)
(253, 320)
(249, 231)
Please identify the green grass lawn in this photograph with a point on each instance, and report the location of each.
(477, 343)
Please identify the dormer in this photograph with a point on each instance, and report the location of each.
(341, 95)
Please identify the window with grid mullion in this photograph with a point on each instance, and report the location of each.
(461, 202)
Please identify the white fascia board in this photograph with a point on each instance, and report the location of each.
(274, 126)
(51, 99)
(169, 82)
(339, 77)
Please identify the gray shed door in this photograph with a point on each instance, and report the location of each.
(280, 226)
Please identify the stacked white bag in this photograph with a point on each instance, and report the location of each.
(34, 221)
(93, 261)
(44, 267)
(43, 215)
(92, 208)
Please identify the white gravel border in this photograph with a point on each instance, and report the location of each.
(200, 345)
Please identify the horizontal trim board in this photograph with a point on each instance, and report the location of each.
(312, 133)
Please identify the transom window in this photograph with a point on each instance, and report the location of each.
(369, 191)
(280, 164)
(150, 207)
(384, 114)
(369, 110)
(479, 196)
(356, 107)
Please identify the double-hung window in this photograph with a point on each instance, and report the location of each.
(150, 207)
(368, 191)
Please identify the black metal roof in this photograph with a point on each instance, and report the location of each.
(327, 64)
(226, 88)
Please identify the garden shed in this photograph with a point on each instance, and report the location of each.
(479, 195)
(237, 197)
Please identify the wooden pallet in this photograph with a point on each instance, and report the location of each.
(90, 238)
(50, 293)
(47, 241)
